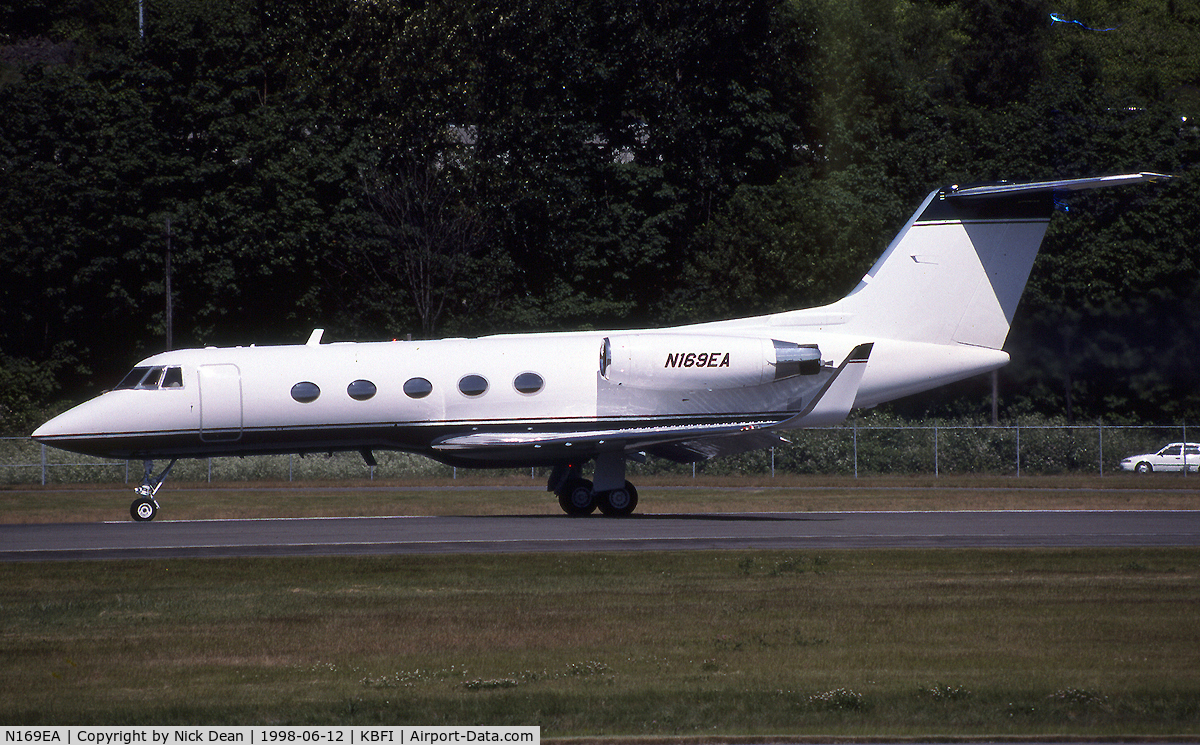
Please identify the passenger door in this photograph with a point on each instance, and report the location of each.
(220, 403)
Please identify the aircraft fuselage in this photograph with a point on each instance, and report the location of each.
(419, 396)
(935, 308)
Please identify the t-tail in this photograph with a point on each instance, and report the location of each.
(939, 302)
(955, 272)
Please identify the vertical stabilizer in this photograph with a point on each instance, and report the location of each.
(955, 273)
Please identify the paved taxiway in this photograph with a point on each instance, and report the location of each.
(428, 535)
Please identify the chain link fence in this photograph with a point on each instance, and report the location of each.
(852, 450)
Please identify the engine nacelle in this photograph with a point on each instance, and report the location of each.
(693, 361)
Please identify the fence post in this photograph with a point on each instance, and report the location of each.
(1100, 438)
(1018, 428)
(772, 462)
(935, 453)
(44, 464)
(855, 449)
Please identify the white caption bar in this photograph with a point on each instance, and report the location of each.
(407, 735)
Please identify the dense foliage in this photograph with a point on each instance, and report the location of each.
(382, 168)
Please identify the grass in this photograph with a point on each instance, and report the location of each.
(966, 642)
(660, 494)
(970, 642)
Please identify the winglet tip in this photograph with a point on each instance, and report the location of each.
(861, 353)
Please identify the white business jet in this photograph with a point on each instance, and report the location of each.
(935, 308)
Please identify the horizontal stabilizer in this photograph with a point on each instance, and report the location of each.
(1077, 184)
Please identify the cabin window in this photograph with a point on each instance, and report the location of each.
(173, 378)
(528, 383)
(305, 392)
(417, 387)
(361, 390)
(473, 385)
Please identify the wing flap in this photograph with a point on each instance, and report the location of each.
(690, 451)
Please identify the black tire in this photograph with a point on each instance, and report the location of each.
(577, 498)
(618, 502)
(143, 509)
(1144, 467)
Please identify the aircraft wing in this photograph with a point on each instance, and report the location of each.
(629, 438)
(680, 442)
(693, 450)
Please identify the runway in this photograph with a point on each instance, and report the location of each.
(643, 532)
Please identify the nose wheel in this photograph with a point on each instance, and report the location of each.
(145, 507)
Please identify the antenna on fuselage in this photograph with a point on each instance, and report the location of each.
(315, 338)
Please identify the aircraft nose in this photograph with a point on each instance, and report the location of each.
(75, 430)
(50, 430)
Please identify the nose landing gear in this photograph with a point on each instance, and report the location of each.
(145, 507)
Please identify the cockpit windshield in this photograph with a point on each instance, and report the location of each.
(151, 378)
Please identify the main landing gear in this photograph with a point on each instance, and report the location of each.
(145, 507)
(611, 493)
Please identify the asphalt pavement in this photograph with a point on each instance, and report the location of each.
(641, 532)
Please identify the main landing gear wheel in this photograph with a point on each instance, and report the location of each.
(577, 498)
(618, 502)
(143, 509)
